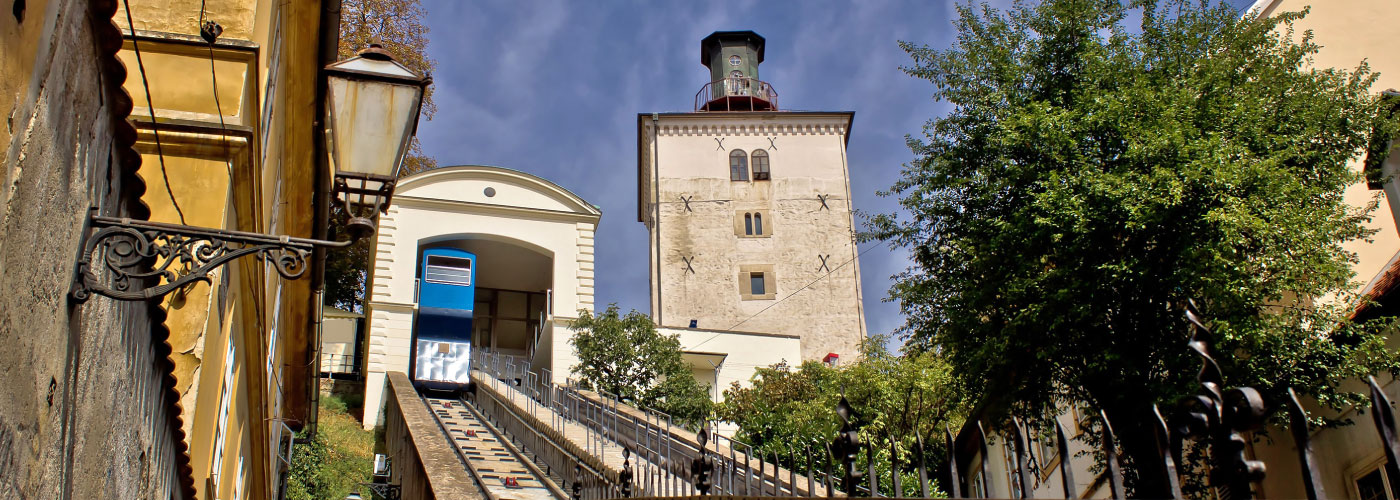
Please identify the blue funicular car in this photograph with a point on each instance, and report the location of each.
(443, 330)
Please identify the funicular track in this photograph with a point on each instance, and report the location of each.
(503, 470)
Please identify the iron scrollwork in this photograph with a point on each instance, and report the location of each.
(139, 254)
(847, 445)
(1221, 416)
(702, 466)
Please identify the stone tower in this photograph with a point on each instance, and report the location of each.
(749, 210)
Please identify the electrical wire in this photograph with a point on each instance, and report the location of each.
(218, 108)
(788, 296)
(141, 67)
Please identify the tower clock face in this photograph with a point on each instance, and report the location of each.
(735, 60)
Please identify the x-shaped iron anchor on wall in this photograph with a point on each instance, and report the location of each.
(824, 266)
(686, 200)
(720, 143)
(822, 198)
(771, 145)
(688, 261)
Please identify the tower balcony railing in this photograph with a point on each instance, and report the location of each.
(737, 94)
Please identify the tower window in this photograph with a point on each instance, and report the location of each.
(738, 165)
(735, 60)
(760, 165)
(756, 282)
(738, 84)
(752, 223)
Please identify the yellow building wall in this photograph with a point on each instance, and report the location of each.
(21, 43)
(226, 172)
(1349, 32)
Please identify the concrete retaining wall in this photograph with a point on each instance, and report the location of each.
(424, 463)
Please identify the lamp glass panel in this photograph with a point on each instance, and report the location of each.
(370, 122)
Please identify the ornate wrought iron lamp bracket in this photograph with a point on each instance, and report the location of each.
(135, 255)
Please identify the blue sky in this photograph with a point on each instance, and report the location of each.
(553, 88)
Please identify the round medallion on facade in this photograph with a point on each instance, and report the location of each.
(490, 191)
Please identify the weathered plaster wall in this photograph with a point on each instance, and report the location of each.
(84, 410)
(178, 16)
(807, 161)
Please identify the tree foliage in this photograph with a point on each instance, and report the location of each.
(1092, 176)
(398, 26)
(626, 356)
(896, 398)
(346, 268)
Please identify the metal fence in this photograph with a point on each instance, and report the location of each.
(337, 363)
(664, 459)
(661, 454)
(736, 94)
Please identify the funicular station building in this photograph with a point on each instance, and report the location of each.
(531, 246)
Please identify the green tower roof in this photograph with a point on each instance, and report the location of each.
(711, 43)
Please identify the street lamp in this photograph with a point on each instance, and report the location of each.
(373, 114)
(373, 108)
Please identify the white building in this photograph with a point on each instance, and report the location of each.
(534, 244)
(753, 254)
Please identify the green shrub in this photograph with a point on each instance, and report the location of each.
(336, 460)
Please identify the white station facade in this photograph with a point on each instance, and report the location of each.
(533, 243)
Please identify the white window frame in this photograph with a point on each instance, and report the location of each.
(1376, 463)
(238, 492)
(1008, 453)
(225, 400)
(273, 382)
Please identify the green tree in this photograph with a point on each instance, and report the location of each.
(626, 356)
(896, 398)
(398, 26)
(1092, 177)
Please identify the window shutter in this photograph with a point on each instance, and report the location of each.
(744, 282)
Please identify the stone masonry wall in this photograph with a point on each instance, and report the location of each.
(701, 222)
(86, 406)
